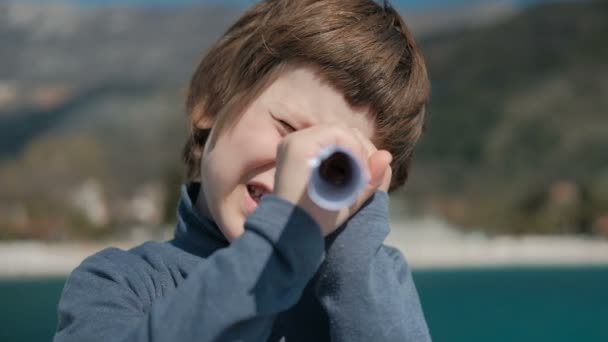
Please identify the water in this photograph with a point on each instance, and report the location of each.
(529, 304)
(515, 304)
(28, 309)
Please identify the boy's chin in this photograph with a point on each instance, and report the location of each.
(233, 228)
(234, 213)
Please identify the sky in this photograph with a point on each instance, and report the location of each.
(404, 4)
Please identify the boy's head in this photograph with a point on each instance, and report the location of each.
(353, 61)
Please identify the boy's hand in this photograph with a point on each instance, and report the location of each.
(381, 162)
(293, 169)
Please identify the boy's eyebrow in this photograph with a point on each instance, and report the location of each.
(301, 118)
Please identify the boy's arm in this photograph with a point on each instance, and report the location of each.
(367, 288)
(234, 294)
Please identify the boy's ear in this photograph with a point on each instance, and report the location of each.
(200, 120)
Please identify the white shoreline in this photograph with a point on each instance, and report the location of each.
(430, 243)
(506, 252)
(426, 245)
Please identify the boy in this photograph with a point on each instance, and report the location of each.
(253, 258)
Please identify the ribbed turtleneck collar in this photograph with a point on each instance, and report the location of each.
(195, 232)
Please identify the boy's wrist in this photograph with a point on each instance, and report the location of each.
(279, 212)
(291, 231)
(349, 252)
(375, 212)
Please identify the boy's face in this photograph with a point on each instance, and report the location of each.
(243, 159)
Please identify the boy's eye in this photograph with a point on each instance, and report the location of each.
(284, 123)
(289, 127)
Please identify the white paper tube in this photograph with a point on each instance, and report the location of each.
(337, 178)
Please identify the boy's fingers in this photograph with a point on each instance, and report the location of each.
(379, 164)
(370, 149)
(388, 175)
(338, 134)
(365, 142)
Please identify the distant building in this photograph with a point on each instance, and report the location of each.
(89, 199)
(8, 95)
(147, 204)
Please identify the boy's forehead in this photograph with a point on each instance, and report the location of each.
(305, 97)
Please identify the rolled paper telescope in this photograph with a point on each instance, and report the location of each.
(337, 177)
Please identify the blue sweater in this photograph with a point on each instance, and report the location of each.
(280, 281)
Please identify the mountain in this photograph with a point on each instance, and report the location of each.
(65, 43)
(59, 58)
(520, 106)
(516, 138)
(59, 42)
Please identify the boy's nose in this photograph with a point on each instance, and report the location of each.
(266, 177)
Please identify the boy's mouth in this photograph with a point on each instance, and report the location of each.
(256, 191)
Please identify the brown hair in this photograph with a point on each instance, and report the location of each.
(362, 48)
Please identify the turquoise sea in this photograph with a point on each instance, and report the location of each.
(505, 304)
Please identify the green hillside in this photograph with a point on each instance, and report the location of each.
(517, 136)
(517, 109)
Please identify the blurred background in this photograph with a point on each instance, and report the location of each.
(504, 219)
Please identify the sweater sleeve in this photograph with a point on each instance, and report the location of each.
(234, 294)
(366, 287)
